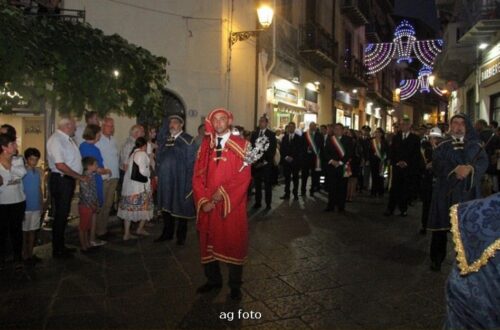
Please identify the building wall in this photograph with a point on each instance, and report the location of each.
(202, 70)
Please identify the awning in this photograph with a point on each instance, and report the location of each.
(284, 106)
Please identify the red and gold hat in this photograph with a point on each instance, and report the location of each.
(209, 128)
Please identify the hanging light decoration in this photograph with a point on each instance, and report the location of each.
(402, 47)
(404, 37)
(408, 88)
(423, 78)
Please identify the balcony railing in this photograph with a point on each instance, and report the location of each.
(482, 20)
(287, 38)
(353, 71)
(36, 8)
(356, 10)
(318, 44)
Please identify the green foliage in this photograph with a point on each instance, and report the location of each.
(71, 66)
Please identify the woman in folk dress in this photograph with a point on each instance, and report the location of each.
(136, 203)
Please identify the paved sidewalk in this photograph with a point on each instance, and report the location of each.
(307, 269)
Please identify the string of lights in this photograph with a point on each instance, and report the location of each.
(408, 88)
(403, 46)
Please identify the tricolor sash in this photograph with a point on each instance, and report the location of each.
(346, 168)
(377, 150)
(311, 143)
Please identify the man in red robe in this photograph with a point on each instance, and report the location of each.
(220, 184)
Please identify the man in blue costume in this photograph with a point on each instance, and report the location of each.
(458, 164)
(175, 160)
(473, 288)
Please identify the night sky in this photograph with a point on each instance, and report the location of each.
(424, 10)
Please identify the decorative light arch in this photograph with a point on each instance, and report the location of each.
(404, 44)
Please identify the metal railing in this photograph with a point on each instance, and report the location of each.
(362, 5)
(477, 10)
(315, 37)
(354, 67)
(36, 9)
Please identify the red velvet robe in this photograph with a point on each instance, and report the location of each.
(223, 232)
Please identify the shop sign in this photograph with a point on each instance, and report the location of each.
(490, 72)
(287, 95)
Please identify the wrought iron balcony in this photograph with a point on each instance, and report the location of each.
(353, 72)
(482, 20)
(356, 10)
(318, 46)
(42, 9)
(379, 92)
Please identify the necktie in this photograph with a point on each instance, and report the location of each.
(290, 137)
(218, 149)
(261, 133)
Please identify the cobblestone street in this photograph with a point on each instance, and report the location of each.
(307, 269)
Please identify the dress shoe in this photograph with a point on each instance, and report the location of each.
(295, 198)
(329, 209)
(285, 197)
(422, 231)
(388, 213)
(257, 206)
(162, 238)
(62, 255)
(403, 214)
(236, 294)
(207, 287)
(268, 207)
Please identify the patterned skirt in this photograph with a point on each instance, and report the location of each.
(136, 207)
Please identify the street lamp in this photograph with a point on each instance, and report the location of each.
(265, 15)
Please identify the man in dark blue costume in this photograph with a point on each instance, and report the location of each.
(458, 164)
(473, 288)
(175, 160)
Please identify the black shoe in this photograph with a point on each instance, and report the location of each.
(342, 211)
(207, 287)
(62, 255)
(435, 266)
(257, 206)
(236, 294)
(422, 231)
(88, 251)
(180, 242)
(268, 207)
(295, 198)
(285, 197)
(329, 209)
(303, 193)
(403, 214)
(388, 213)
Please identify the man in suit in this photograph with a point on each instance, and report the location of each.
(262, 170)
(292, 154)
(405, 160)
(338, 152)
(312, 162)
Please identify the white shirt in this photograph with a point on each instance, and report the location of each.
(224, 137)
(79, 133)
(62, 149)
(11, 191)
(131, 187)
(111, 156)
(177, 135)
(125, 152)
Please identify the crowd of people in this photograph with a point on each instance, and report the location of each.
(160, 175)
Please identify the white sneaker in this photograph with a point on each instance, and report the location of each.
(97, 243)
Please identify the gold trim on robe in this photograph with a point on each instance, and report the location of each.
(463, 265)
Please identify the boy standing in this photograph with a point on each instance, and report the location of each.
(32, 184)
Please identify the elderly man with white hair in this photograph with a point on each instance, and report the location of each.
(65, 165)
(136, 131)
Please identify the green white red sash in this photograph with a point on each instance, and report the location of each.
(311, 143)
(346, 168)
(377, 149)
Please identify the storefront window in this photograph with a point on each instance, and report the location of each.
(495, 107)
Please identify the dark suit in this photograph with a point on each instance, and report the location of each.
(294, 148)
(337, 182)
(407, 150)
(263, 169)
(309, 167)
